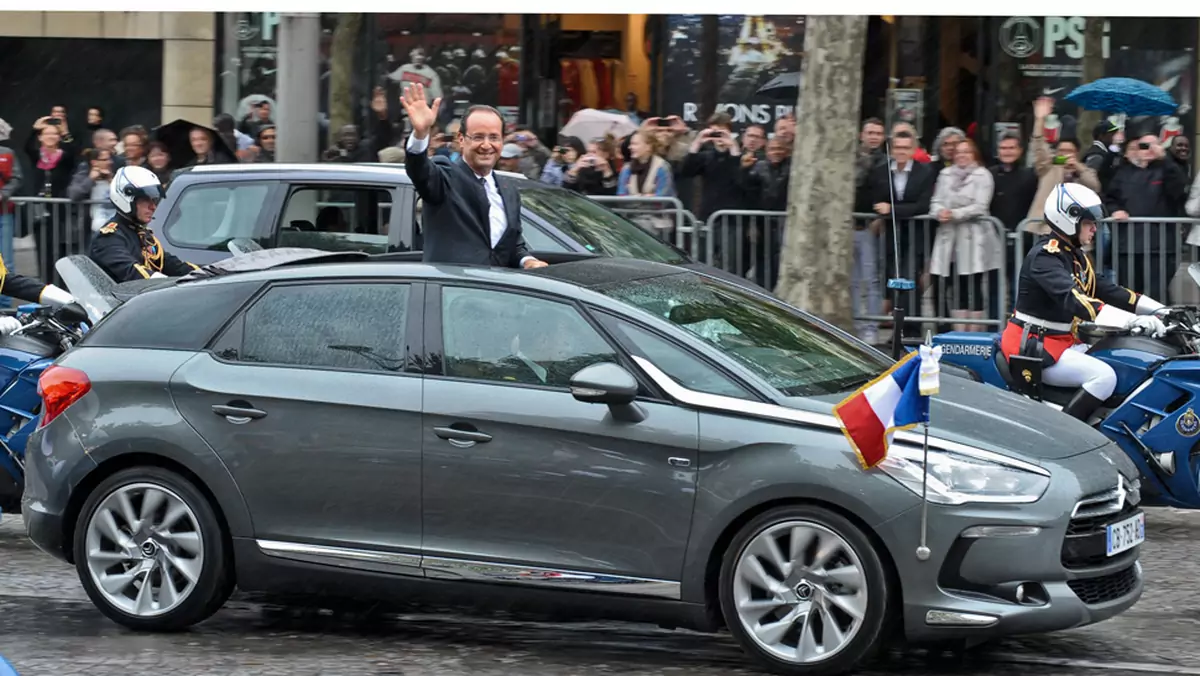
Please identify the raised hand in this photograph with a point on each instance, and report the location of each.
(1043, 107)
(420, 115)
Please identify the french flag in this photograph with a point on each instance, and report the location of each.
(896, 400)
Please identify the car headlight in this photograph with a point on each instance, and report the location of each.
(955, 478)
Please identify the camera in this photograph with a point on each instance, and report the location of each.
(1144, 145)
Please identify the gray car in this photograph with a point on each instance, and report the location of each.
(611, 437)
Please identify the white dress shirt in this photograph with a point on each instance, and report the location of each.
(900, 178)
(497, 219)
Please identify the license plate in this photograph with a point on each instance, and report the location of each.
(1127, 534)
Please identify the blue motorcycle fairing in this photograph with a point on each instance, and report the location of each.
(1160, 396)
(19, 404)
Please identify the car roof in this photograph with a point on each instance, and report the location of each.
(376, 170)
(572, 279)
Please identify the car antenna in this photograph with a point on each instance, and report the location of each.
(898, 283)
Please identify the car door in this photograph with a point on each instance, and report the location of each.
(336, 216)
(308, 399)
(519, 473)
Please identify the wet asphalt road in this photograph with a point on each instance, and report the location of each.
(47, 626)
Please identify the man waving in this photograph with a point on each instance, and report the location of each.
(470, 216)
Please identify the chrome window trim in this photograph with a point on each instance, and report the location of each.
(722, 404)
(445, 568)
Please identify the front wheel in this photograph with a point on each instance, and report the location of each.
(804, 592)
(150, 551)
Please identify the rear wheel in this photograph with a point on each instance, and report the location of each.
(804, 591)
(150, 551)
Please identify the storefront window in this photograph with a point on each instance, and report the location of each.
(758, 66)
(464, 59)
(1049, 56)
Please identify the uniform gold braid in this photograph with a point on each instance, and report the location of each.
(153, 262)
(3, 274)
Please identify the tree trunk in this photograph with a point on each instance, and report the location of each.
(341, 72)
(819, 239)
(1093, 69)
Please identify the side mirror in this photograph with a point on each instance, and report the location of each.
(605, 383)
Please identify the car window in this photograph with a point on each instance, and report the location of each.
(537, 240)
(599, 230)
(507, 337)
(343, 326)
(682, 367)
(337, 218)
(787, 350)
(209, 216)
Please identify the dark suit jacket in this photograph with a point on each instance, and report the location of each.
(454, 218)
(918, 192)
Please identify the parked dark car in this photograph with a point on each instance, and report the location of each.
(605, 435)
(375, 209)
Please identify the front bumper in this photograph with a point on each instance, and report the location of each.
(999, 570)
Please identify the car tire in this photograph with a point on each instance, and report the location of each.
(769, 617)
(175, 540)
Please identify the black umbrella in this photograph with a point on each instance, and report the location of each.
(175, 136)
(782, 87)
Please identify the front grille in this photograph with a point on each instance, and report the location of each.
(1107, 588)
(1085, 544)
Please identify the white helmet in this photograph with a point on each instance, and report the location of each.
(1070, 204)
(129, 185)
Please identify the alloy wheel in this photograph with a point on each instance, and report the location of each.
(144, 550)
(800, 591)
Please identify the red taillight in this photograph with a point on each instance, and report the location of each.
(59, 387)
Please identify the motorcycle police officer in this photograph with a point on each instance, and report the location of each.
(125, 247)
(1058, 288)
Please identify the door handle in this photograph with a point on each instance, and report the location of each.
(453, 434)
(238, 415)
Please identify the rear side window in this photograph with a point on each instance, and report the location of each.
(208, 216)
(337, 218)
(179, 318)
(357, 326)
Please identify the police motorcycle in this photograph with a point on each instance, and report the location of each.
(1154, 412)
(44, 335)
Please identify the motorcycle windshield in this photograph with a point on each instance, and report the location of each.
(91, 286)
(1194, 271)
(243, 245)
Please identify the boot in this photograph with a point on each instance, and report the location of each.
(1082, 405)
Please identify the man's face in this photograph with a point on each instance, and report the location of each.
(1009, 151)
(268, 140)
(777, 151)
(902, 150)
(872, 136)
(264, 111)
(785, 128)
(1067, 149)
(1181, 148)
(200, 141)
(94, 117)
(348, 137)
(1087, 232)
(134, 148)
(481, 138)
(417, 57)
(104, 140)
(949, 146)
(508, 164)
(145, 210)
(60, 112)
(754, 138)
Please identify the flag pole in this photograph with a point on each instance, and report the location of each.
(923, 552)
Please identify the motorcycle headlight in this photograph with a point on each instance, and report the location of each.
(956, 479)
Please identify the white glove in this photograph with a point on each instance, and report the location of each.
(1149, 325)
(9, 324)
(158, 275)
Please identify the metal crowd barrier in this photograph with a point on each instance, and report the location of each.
(748, 243)
(41, 230)
(1147, 255)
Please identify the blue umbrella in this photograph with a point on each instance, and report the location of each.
(6, 669)
(1123, 95)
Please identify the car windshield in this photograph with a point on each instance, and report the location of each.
(599, 230)
(794, 355)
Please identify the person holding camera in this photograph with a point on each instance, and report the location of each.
(593, 173)
(716, 156)
(1149, 185)
(534, 155)
(1060, 165)
(92, 186)
(565, 154)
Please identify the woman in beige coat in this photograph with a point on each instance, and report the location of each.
(967, 244)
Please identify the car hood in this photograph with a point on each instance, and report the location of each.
(994, 420)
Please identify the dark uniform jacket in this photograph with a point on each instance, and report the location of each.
(20, 287)
(128, 252)
(1058, 284)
